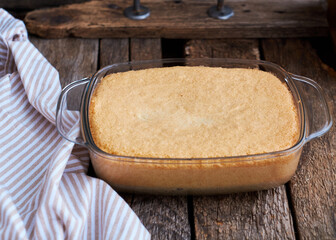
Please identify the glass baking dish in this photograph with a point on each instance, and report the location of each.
(201, 175)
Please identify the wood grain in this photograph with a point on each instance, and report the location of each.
(145, 49)
(74, 59)
(254, 215)
(182, 19)
(231, 48)
(113, 51)
(165, 217)
(313, 188)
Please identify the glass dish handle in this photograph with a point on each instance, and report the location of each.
(317, 111)
(62, 106)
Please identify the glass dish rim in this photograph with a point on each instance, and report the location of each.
(241, 158)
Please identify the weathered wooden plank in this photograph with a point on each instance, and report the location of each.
(113, 51)
(182, 19)
(165, 217)
(145, 49)
(313, 188)
(254, 215)
(73, 58)
(233, 48)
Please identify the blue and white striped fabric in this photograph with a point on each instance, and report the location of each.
(44, 190)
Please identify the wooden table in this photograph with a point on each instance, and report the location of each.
(304, 208)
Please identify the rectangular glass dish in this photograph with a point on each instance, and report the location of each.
(202, 175)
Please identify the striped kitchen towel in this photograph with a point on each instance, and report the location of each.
(44, 190)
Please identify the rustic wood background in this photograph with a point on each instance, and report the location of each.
(304, 208)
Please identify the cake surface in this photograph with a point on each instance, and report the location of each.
(192, 112)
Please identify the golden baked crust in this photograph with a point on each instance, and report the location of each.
(192, 112)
